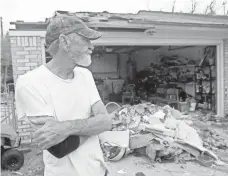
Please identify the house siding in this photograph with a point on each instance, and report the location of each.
(226, 76)
(26, 56)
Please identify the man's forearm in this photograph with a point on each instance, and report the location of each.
(88, 127)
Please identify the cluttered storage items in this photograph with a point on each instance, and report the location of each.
(183, 78)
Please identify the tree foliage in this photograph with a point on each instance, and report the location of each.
(210, 8)
(174, 5)
(194, 4)
(225, 8)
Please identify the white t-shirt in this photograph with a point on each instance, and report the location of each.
(40, 92)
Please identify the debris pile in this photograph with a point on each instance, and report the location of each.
(211, 128)
(203, 115)
(213, 140)
(160, 134)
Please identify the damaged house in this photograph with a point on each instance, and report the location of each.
(151, 56)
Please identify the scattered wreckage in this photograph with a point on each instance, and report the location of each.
(158, 132)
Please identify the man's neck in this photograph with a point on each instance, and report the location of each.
(62, 67)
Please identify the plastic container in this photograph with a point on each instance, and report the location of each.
(184, 107)
(192, 105)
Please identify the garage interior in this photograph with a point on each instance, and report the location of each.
(183, 77)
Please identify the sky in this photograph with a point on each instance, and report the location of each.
(38, 10)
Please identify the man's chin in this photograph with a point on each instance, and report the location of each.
(85, 62)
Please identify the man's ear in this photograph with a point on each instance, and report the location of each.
(64, 42)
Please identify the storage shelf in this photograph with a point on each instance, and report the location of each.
(202, 82)
(182, 83)
(204, 66)
(212, 79)
(204, 93)
(178, 66)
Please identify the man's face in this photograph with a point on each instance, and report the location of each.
(80, 50)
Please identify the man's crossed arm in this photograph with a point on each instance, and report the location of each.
(53, 132)
(98, 123)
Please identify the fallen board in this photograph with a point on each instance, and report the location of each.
(140, 140)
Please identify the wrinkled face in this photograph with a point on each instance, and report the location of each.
(79, 49)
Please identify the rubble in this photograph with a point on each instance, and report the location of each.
(163, 135)
(212, 140)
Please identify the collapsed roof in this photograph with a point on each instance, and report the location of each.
(141, 20)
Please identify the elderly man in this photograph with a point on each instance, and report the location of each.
(60, 99)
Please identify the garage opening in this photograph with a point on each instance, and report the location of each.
(183, 77)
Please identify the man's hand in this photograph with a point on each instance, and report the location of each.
(51, 133)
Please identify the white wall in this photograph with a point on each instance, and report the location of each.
(145, 57)
(123, 61)
(105, 66)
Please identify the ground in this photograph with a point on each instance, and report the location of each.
(130, 165)
(127, 167)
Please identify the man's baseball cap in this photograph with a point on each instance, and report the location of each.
(67, 24)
